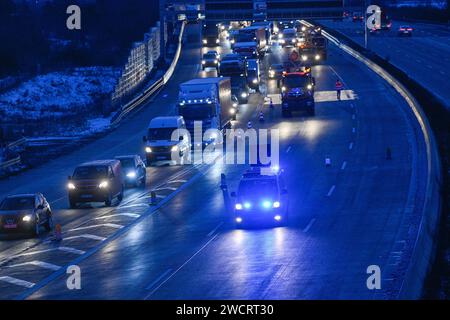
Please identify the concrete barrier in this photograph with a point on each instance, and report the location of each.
(424, 248)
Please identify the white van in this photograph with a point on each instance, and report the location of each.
(159, 145)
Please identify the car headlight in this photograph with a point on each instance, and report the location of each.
(174, 148)
(235, 104)
(276, 204)
(27, 218)
(71, 186)
(293, 40)
(317, 57)
(238, 206)
(267, 204)
(233, 111)
(309, 87)
(283, 89)
(148, 149)
(281, 41)
(131, 174)
(215, 61)
(232, 41)
(304, 58)
(103, 185)
(280, 36)
(217, 40)
(247, 205)
(244, 94)
(255, 81)
(203, 61)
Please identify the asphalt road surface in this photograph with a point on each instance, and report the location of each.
(342, 219)
(425, 56)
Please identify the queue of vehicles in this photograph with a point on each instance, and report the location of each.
(213, 101)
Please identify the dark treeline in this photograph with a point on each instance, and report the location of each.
(36, 39)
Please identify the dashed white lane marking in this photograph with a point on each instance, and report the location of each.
(182, 266)
(37, 263)
(65, 249)
(309, 225)
(165, 188)
(17, 282)
(353, 116)
(111, 225)
(151, 285)
(350, 146)
(177, 181)
(331, 190)
(353, 129)
(214, 230)
(288, 149)
(352, 105)
(86, 236)
(344, 164)
(128, 206)
(132, 215)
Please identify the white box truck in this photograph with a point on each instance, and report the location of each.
(207, 100)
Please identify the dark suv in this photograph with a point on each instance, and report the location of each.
(25, 213)
(96, 181)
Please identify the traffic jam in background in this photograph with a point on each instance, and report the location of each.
(158, 209)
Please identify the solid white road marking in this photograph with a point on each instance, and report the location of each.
(309, 225)
(111, 225)
(182, 266)
(344, 164)
(353, 129)
(17, 282)
(151, 285)
(37, 263)
(331, 191)
(177, 181)
(66, 249)
(132, 215)
(350, 146)
(165, 188)
(214, 230)
(86, 236)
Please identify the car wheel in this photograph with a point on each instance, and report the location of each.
(120, 196)
(72, 204)
(36, 230)
(49, 224)
(143, 181)
(108, 200)
(286, 114)
(312, 112)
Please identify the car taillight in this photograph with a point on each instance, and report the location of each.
(410, 29)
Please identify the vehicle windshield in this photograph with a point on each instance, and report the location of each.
(230, 68)
(90, 172)
(237, 81)
(127, 163)
(319, 42)
(209, 56)
(196, 111)
(160, 133)
(17, 203)
(277, 67)
(295, 81)
(244, 37)
(258, 188)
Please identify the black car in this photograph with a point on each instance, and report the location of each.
(134, 170)
(405, 31)
(25, 213)
(276, 71)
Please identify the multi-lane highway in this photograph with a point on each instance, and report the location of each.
(425, 56)
(358, 212)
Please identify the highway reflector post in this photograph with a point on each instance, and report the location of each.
(58, 232)
(388, 153)
(152, 198)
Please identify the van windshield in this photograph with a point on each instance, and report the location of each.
(160, 133)
(90, 172)
(16, 203)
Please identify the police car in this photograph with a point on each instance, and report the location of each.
(261, 196)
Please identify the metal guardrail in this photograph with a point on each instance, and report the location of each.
(424, 244)
(9, 163)
(153, 89)
(17, 143)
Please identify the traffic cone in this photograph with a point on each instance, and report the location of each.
(58, 232)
